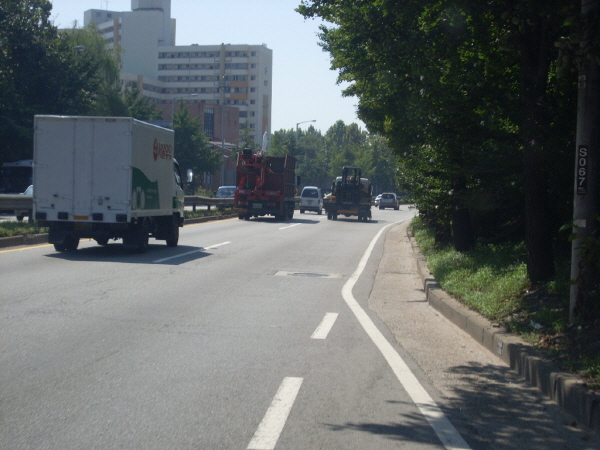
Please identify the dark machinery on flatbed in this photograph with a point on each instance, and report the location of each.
(351, 196)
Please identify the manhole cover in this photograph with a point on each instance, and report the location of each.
(282, 273)
(306, 274)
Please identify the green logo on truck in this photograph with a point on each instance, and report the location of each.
(144, 193)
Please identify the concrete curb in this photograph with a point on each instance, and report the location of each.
(34, 239)
(563, 388)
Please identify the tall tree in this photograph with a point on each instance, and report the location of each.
(138, 106)
(461, 89)
(40, 73)
(192, 148)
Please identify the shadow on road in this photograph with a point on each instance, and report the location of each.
(157, 254)
(495, 410)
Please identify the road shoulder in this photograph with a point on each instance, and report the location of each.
(407, 298)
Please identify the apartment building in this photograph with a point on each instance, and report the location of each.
(233, 82)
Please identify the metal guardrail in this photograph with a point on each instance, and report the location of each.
(195, 200)
(15, 201)
(19, 201)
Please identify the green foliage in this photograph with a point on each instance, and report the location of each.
(321, 158)
(140, 107)
(43, 71)
(192, 148)
(469, 97)
(246, 140)
(40, 73)
(9, 229)
(490, 279)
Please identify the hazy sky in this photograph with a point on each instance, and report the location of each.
(304, 88)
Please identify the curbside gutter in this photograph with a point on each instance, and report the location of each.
(568, 391)
(34, 239)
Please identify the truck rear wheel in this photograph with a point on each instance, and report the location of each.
(69, 244)
(102, 240)
(174, 235)
(137, 238)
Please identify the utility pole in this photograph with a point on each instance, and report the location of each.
(585, 204)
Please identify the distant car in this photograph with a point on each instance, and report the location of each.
(311, 199)
(21, 213)
(225, 192)
(389, 200)
(377, 200)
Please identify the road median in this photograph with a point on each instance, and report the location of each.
(42, 238)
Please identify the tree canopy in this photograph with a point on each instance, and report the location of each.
(192, 148)
(321, 158)
(473, 102)
(44, 71)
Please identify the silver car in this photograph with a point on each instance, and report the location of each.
(389, 200)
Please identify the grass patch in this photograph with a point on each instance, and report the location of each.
(489, 279)
(492, 279)
(9, 229)
(214, 212)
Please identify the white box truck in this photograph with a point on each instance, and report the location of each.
(106, 178)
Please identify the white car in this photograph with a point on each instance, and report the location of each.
(377, 200)
(311, 199)
(21, 213)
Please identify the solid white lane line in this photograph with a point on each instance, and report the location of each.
(201, 249)
(218, 245)
(325, 326)
(270, 428)
(290, 226)
(448, 435)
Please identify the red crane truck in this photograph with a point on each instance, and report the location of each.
(265, 185)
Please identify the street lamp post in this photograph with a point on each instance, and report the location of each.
(306, 121)
(223, 85)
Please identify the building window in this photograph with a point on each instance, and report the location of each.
(253, 102)
(239, 66)
(209, 122)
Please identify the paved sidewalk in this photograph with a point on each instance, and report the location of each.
(403, 274)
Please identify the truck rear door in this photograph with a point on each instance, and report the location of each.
(81, 166)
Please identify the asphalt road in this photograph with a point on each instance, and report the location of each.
(250, 335)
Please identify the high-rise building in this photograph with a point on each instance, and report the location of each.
(233, 82)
